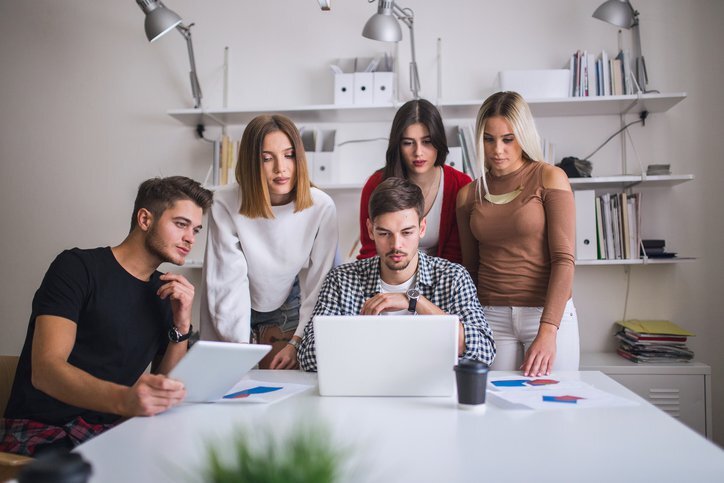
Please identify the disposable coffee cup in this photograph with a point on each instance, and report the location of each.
(471, 377)
(56, 467)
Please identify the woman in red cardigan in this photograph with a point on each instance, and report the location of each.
(417, 150)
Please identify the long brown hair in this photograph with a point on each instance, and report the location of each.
(412, 112)
(255, 200)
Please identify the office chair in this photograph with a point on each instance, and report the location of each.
(10, 464)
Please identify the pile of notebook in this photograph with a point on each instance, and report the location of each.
(655, 249)
(653, 341)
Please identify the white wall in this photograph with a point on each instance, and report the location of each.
(84, 98)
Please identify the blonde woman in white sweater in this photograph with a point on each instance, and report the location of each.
(272, 238)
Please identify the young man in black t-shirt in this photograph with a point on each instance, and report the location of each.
(99, 318)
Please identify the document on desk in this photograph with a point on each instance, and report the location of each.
(552, 393)
(250, 391)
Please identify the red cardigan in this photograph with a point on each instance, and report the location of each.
(448, 246)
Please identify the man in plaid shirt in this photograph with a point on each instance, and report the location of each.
(389, 283)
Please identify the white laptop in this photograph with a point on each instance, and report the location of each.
(209, 369)
(387, 355)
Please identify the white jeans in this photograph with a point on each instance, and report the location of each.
(514, 329)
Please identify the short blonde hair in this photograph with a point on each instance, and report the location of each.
(511, 107)
(255, 200)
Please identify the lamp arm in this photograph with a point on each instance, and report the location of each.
(404, 15)
(639, 63)
(639, 66)
(407, 16)
(195, 86)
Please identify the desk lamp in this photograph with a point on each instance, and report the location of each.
(159, 21)
(622, 14)
(383, 26)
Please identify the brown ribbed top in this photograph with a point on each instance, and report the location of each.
(526, 247)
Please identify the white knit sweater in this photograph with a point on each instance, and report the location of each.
(251, 263)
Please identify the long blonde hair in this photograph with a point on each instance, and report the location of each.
(255, 199)
(511, 107)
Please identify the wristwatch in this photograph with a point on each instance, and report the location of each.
(294, 343)
(175, 336)
(412, 296)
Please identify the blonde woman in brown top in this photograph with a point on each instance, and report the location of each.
(517, 233)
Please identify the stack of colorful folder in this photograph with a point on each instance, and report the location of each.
(653, 341)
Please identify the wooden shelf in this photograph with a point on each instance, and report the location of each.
(629, 180)
(569, 106)
(635, 261)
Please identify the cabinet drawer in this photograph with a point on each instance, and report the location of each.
(681, 396)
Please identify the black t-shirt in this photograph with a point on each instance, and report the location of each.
(121, 326)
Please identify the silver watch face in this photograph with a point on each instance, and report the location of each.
(174, 335)
(413, 293)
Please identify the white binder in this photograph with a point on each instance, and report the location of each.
(363, 88)
(383, 83)
(325, 169)
(344, 89)
(585, 225)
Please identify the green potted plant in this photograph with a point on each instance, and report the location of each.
(306, 454)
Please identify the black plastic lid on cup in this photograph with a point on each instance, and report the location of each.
(471, 367)
(56, 468)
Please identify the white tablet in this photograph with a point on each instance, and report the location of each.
(209, 369)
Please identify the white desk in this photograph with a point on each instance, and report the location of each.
(426, 439)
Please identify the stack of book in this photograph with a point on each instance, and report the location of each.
(592, 75)
(223, 165)
(618, 222)
(655, 249)
(653, 341)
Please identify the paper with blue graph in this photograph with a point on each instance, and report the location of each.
(253, 391)
(552, 392)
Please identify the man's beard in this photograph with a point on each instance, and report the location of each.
(155, 246)
(398, 266)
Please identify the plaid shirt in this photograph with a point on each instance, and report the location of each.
(446, 284)
(24, 436)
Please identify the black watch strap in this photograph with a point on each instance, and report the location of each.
(175, 336)
(412, 296)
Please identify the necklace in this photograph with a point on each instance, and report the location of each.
(435, 184)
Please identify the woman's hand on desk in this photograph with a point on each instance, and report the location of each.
(285, 358)
(541, 354)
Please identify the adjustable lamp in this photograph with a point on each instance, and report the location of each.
(383, 26)
(159, 21)
(622, 14)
